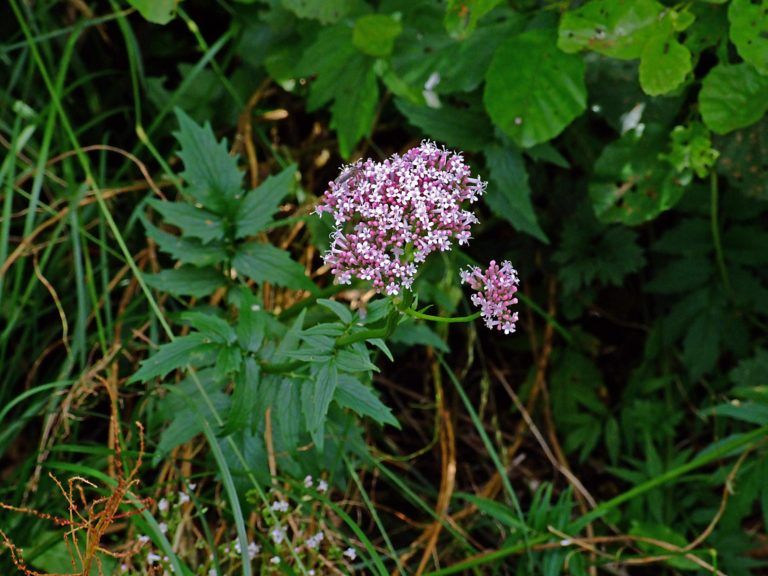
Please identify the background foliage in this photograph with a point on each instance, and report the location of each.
(159, 263)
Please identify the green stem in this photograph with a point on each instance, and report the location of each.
(714, 224)
(442, 319)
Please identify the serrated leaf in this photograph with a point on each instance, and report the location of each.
(466, 129)
(194, 349)
(352, 394)
(229, 360)
(616, 28)
(664, 66)
(251, 324)
(192, 221)
(681, 275)
(375, 34)
(509, 194)
(701, 345)
(355, 359)
(266, 263)
(325, 12)
(341, 310)
(628, 184)
(156, 11)
(732, 97)
(316, 395)
(259, 205)
(554, 94)
(354, 107)
(210, 172)
(187, 281)
(243, 398)
(186, 250)
(749, 31)
(741, 159)
(210, 325)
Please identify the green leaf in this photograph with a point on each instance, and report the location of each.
(554, 94)
(187, 281)
(210, 325)
(243, 398)
(509, 194)
(341, 310)
(156, 11)
(749, 31)
(316, 395)
(251, 324)
(615, 28)
(461, 16)
(192, 221)
(186, 250)
(692, 151)
(359, 398)
(325, 12)
(664, 66)
(416, 334)
(193, 349)
(355, 359)
(628, 184)
(663, 534)
(210, 172)
(266, 263)
(701, 345)
(258, 206)
(464, 128)
(732, 97)
(741, 159)
(375, 34)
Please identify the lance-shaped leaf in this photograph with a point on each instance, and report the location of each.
(258, 206)
(316, 395)
(194, 349)
(187, 281)
(193, 222)
(186, 250)
(266, 263)
(352, 394)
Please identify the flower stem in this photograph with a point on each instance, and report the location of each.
(443, 319)
(714, 224)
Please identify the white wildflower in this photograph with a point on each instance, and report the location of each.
(308, 481)
(275, 560)
(322, 486)
(162, 505)
(314, 541)
(183, 498)
(277, 534)
(280, 506)
(350, 553)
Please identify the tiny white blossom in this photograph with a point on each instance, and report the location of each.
(253, 549)
(163, 527)
(183, 498)
(212, 572)
(314, 541)
(308, 481)
(153, 558)
(277, 534)
(322, 486)
(162, 505)
(123, 568)
(275, 560)
(350, 553)
(280, 506)
(192, 485)
(143, 539)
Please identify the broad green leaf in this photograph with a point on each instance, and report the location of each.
(210, 172)
(616, 28)
(193, 349)
(749, 31)
(156, 11)
(664, 66)
(266, 263)
(187, 281)
(354, 107)
(216, 328)
(60, 556)
(243, 397)
(192, 221)
(509, 194)
(464, 128)
(742, 155)
(732, 97)
(359, 398)
(752, 373)
(325, 11)
(316, 395)
(375, 34)
(341, 310)
(554, 92)
(628, 184)
(258, 206)
(251, 324)
(461, 16)
(186, 250)
(355, 359)
(229, 359)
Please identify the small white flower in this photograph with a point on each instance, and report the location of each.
(277, 534)
(163, 527)
(280, 506)
(143, 539)
(192, 486)
(350, 553)
(275, 560)
(123, 567)
(183, 498)
(212, 572)
(311, 572)
(315, 540)
(322, 486)
(237, 546)
(253, 550)
(162, 505)
(152, 558)
(308, 482)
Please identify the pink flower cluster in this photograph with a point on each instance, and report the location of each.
(389, 216)
(495, 294)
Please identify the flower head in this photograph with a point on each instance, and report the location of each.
(495, 290)
(389, 216)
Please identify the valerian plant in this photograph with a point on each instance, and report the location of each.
(299, 380)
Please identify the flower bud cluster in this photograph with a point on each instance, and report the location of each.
(389, 216)
(495, 290)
